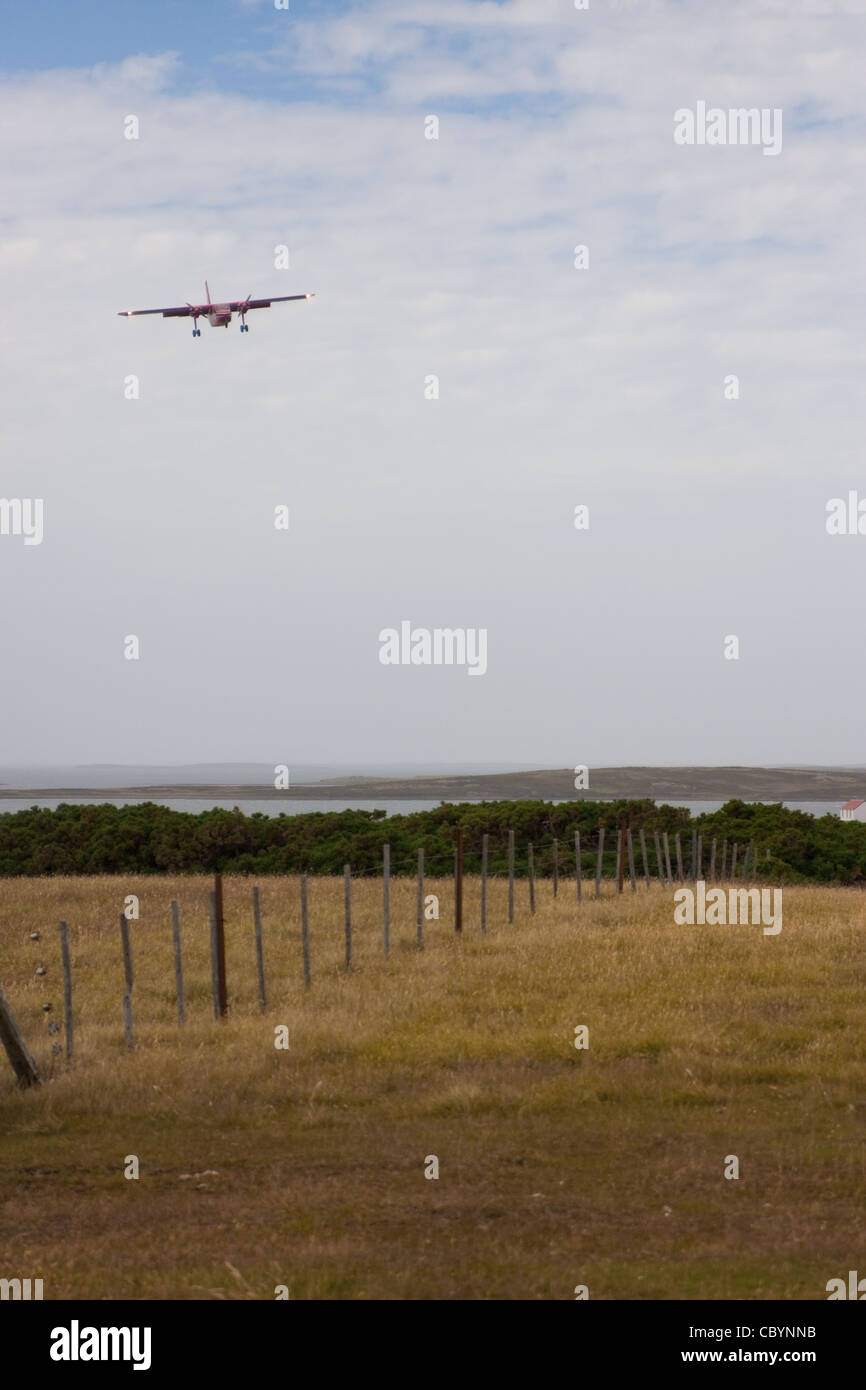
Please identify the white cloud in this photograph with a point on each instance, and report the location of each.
(451, 257)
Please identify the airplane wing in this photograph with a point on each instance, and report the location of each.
(245, 304)
(182, 312)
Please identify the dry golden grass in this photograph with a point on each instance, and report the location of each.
(557, 1166)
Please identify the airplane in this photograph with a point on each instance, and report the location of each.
(217, 315)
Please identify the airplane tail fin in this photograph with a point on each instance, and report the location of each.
(207, 292)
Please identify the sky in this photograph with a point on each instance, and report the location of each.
(456, 389)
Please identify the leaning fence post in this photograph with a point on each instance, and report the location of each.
(598, 862)
(511, 875)
(67, 988)
(178, 965)
(420, 912)
(23, 1064)
(386, 897)
(646, 872)
(577, 861)
(305, 931)
(127, 1021)
(485, 842)
(630, 843)
(260, 959)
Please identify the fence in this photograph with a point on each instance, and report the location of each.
(633, 863)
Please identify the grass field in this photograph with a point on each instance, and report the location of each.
(557, 1167)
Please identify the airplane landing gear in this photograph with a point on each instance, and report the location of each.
(196, 332)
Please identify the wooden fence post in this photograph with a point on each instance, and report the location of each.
(458, 882)
(598, 862)
(747, 860)
(713, 861)
(260, 955)
(619, 860)
(485, 842)
(386, 897)
(670, 876)
(67, 989)
(734, 862)
(646, 872)
(724, 871)
(178, 964)
(700, 857)
(511, 875)
(214, 956)
(420, 910)
(127, 974)
(577, 862)
(530, 853)
(222, 994)
(305, 931)
(679, 850)
(22, 1063)
(347, 903)
(630, 841)
(660, 868)
(555, 867)
(127, 951)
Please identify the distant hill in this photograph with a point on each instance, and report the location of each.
(660, 783)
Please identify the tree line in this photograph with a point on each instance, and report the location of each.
(791, 846)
